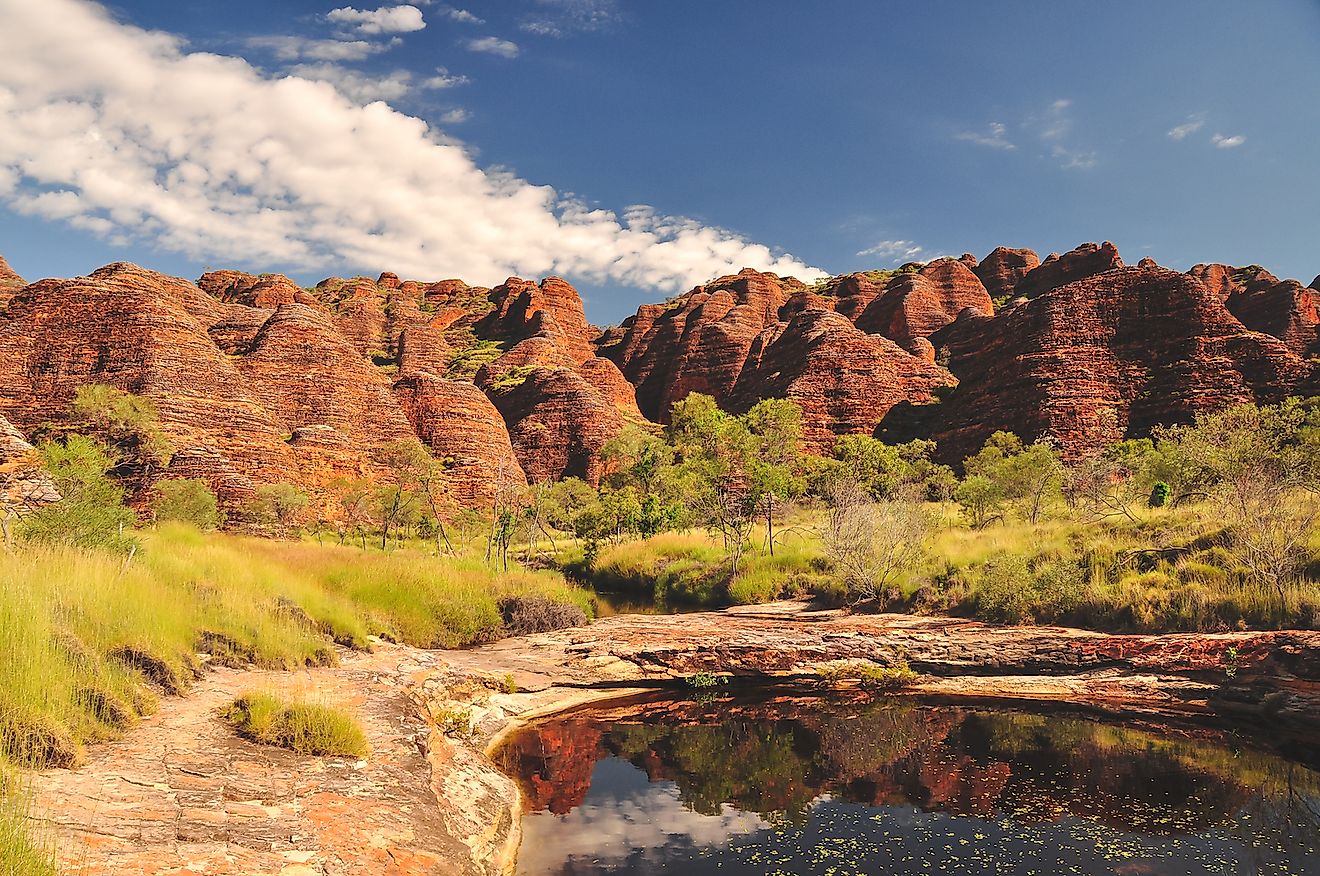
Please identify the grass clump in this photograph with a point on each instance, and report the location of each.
(872, 676)
(307, 728)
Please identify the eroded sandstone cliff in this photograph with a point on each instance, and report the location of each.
(259, 380)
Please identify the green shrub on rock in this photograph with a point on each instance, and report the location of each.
(187, 501)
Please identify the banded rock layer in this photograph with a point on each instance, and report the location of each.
(259, 380)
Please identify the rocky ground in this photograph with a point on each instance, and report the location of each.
(182, 794)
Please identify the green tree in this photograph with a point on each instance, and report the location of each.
(1258, 466)
(130, 423)
(91, 513)
(189, 501)
(1114, 480)
(888, 470)
(1026, 475)
(279, 507)
(354, 516)
(981, 500)
(715, 450)
(735, 470)
(416, 485)
(775, 470)
(637, 457)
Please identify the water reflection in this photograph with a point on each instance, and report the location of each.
(805, 786)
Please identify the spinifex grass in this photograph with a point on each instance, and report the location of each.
(82, 631)
(307, 728)
(23, 850)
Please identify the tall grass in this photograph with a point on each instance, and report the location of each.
(81, 631)
(22, 852)
(1101, 574)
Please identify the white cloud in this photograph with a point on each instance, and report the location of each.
(559, 18)
(363, 88)
(1056, 122)
(493, 46)
(462, 16)
(386, 19)
(1055, 129)
(619, 831)
(356, 86)
(444, 79)
(295, 48)
(1193, 124)
(894, 250)
(455, 116)
(120, 130)
(1223, 142)
(995, 136)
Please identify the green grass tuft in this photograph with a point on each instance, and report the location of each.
(307, 728)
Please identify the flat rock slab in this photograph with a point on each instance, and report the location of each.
(1272, 675)
(182, 794)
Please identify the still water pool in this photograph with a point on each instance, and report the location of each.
(806, 785)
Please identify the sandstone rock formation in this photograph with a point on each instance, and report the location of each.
(1111, 355)
(700, 341)
(916, 305)
(259, 380)
(305, 373)
(844, 379)
(267, 291)
(551, 308)
(24, 485)
(1002, 270)
(465, 432)
(1287, 309)
(145, 333)
(10, 282)
(1058, 270)
(256, 382)
(560, 401)
(558, 422)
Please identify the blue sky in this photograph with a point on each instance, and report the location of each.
(842, 136)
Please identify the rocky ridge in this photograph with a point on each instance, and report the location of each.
(259, 380)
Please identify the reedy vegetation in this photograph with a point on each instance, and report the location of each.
(1204, 526)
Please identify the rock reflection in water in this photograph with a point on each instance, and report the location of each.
(806, 786)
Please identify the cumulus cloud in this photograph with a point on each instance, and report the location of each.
(560, 18)
(444, 79)
(296, 48)
(995, 136)
(356, 86)
(1193, 124)
(493, 46)
(364, 88)
(894, 250)
(386, 19)
(462, 16)
(120, 130)
(1223, 142)
(455, 116)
